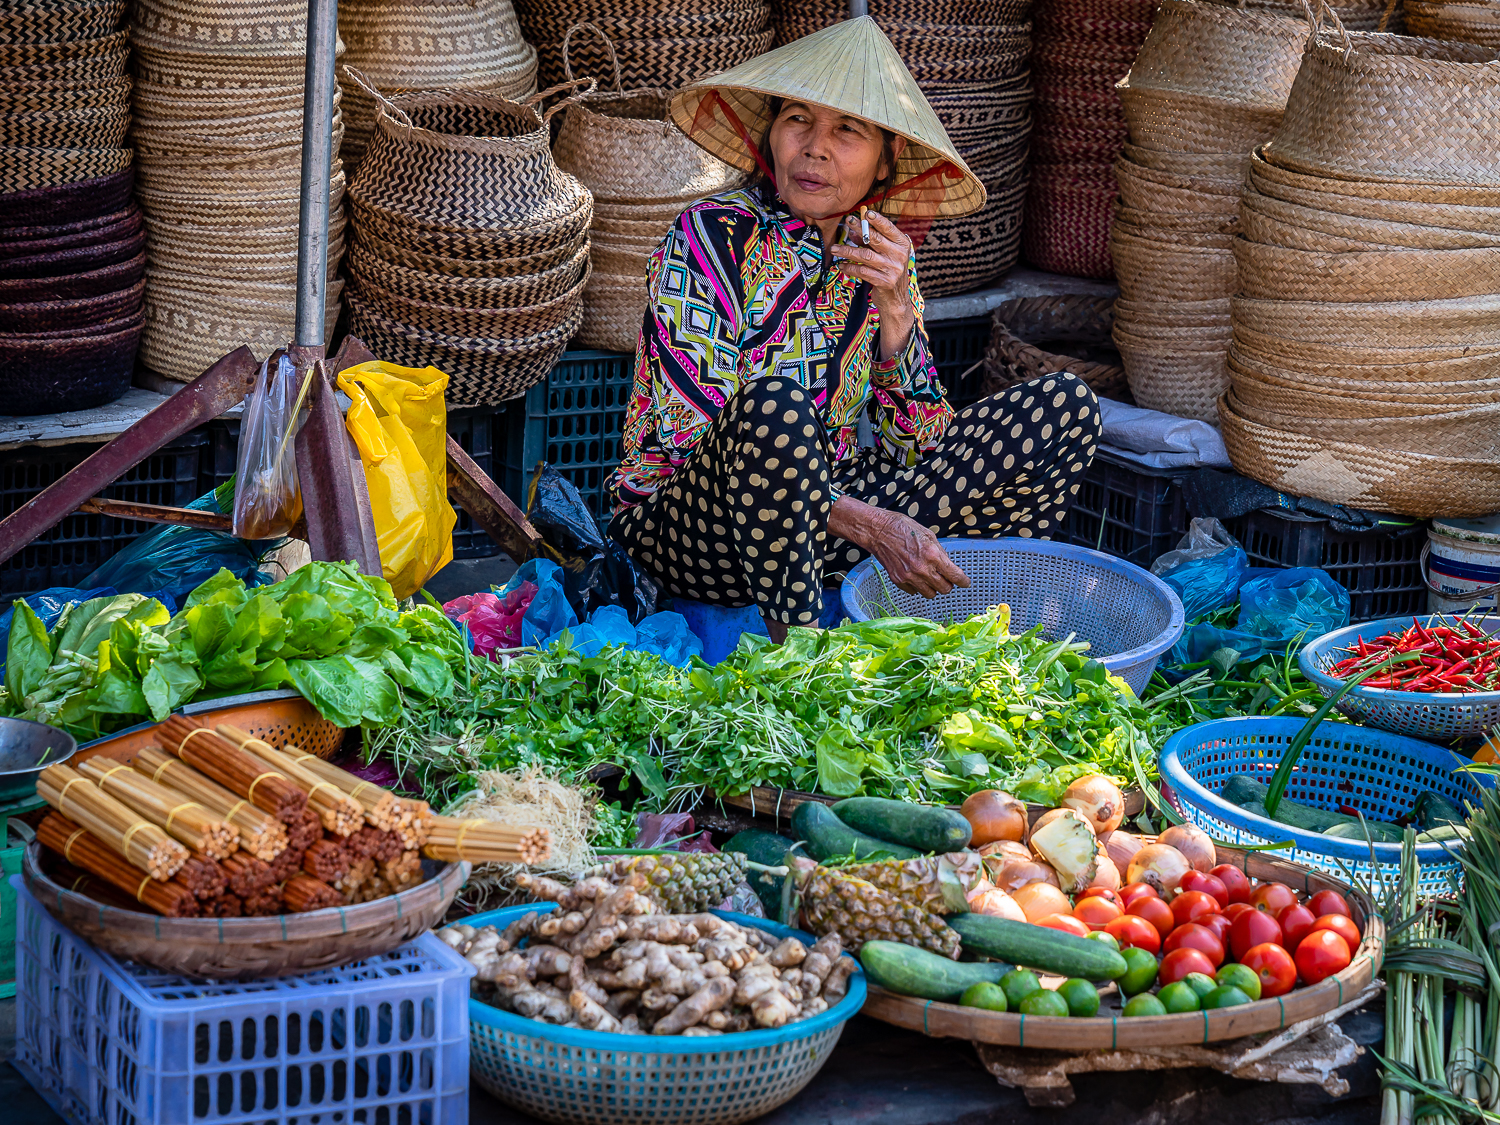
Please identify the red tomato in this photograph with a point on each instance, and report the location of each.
(1340, 925)
(1100, 892)
(1274, 966)
(1180, 962)
(1208, 884)
(1235, 881)
(1273, 898)
(1189, 906)
(1235, 909)
(1064, 923)
(1132, 891)
(1328, 902)
(1201, 938)
(1321, 954)
(1296, 922)
(1134, 933)
(1219, 924)
(1153, 910)
(1096, 913)
(1252, 928)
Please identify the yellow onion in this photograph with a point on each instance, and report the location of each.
(994, 815)
(1192, 842)
(1121, 847)
(1017, 873)
(1099, 800)
(997, 904)
(1106, 874)
(1161, 867)
(1039, 900)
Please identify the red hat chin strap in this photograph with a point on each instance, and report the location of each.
(704, 117)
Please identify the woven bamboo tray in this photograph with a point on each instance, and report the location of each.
(1114, 1032)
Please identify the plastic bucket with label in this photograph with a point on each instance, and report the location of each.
(1461, 563)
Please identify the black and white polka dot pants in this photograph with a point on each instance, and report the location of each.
(746, 518)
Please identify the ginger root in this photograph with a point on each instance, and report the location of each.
(788, 953)
(837, 984)
(712, 996)
(591, 1014)
(772, 1009)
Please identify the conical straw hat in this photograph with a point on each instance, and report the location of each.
(850, 67)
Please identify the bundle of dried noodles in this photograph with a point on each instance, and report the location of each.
(115, 824)
(261, 834)
(188, 821)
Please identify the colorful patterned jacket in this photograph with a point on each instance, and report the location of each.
(738, 289)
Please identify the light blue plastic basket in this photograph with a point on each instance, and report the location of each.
(586, 1077)
(1439, 717)
(1374, 771)
(1127, 614)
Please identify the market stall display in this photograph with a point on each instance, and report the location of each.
(71, 243)
(416, 45)
(471, 249)
(1362, 365)
(217, 132)
(1209, 84)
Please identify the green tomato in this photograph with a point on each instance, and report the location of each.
(1140, 971)
(1225, 996)
(1243, 977)
(984, 995)
(1201, 983)
(1178, 997)
(1044, 1002)
(1019, 984)
(1105, 939)
(1144, 1005)
(1081, 995)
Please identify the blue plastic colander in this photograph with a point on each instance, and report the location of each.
(1439, 716)
(566, 1074)
(1377, 772)
(1129, 616)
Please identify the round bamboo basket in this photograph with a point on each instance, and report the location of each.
(517, 292)
(1160, 271)
(504, 322)
(1221, 52)
(1115, 1032)
(1168, 377)
(1144, 189)
(1173, 121)
(1467, 22)
(1444, 198)
(478, 268)
(1312, 362)
(1279, 222)
(1278, 273)
(1461, 321)
(30, 23)
(614, 307)
(1210, 166)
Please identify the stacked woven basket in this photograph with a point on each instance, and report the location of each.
(1468, 21)
(661, 44)
(470, 247)
(218, 139)
(405, 45)
(1083, 47)
(970, 57)
(1210, 84)
(1366, 355)
(643, 172)
(72, 249)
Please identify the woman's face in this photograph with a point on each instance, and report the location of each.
(826, 161)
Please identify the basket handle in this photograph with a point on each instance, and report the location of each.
(1316, 25)
(1472, 596)
(392, 110)
(537, 99)
(609, 46)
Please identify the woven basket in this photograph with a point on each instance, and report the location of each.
(89, 283)
(1174, 380)
(1314, 358)
(1278, 273)
(170, 63)
(1217, 239)
(656, 63)
(1355, 397)
(1440, 197)
(967, 252)
(497, 323)
(1394, 109)
(1285, 223)
(1421, 485)
(1462, 321)
(78, 315)
(1167, 222)
(744, 18)
(41, 97)
(1146, 189)
(481, 372)
(129, 242)
(22, 242)
(91, 127)
(614, 307)
(55, 23)
(247, 29)
(478, 268)
(566, 230)
(1072, 103)
(25, 56)
(959, 74)
(1158, 271)
(1466, 22)
(1212, 313)
(970, 117)
(1009, 360)
(31, 169)
(1171, 121)
(1230, 166)
(69, 370)
(1472, 432)
(1212, 51)
(1053, 23)
(467, 292)
(1067, 223)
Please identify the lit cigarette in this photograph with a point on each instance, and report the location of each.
(864, 225)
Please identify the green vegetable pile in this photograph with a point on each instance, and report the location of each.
(333, 634)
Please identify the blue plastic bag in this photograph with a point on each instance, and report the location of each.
(1202, 640)
(549, 612)
(664, 635)
(667, 635)
(1206, 570)
(1282, 605)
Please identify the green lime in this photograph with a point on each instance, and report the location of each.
(1140, 971)
(1081, 995)
(1105, 939)
(1044, 1002)
(1144, 1005)
(1178, 997)
(1243, 977)
(1019, 984)
(984, 995)
(1201, 983)
(1225, 996)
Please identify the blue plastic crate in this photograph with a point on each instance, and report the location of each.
(380, 1042)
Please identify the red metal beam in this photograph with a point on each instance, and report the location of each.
(335, 497)
(156, 513)
(490, 508)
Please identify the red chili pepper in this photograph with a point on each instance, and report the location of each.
(1348, 810)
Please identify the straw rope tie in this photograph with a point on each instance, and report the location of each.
(133, 829)
(140, 891)
(258, 780)
(178, 809)
(68, 847)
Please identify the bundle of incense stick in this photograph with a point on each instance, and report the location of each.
(486, 841)
(231, 767)
(247, 875)
(225, 906)
(358, 874)
(301, 833)
(78, 847)
(115, 824)
(340, 813)
(326, 860)
(303, 893)
(376, 843)
(288, 863)
(205, 878)
(265, 902)
(413, 823)
(198, 829)
(261, 834)
(402, 872)
(79, 881)
(380, 805)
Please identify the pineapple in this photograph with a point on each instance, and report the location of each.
(859, 911)
(935, 883)
(678, 883)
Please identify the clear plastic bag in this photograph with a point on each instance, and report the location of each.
(1206, 569)
(267, 499)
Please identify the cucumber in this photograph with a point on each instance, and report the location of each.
(1250, 795)
(769, 849)
(827, 836)
(1379, 831)
(1037, 947)
(1433, 810)
(917, 972)
(923, 827)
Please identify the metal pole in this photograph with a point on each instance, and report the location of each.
(858, 8)
(317, 164)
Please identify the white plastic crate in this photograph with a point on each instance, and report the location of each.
(378, 1042)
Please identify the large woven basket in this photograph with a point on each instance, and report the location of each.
(1393, 109)
(20, 242)
(1441, 19)
(1009, 360)
(560, 233)
(1214, 51)
(1462, 321)
(1295, 224)
(74, 286)
(32, 169)
(124, 245)
(1148, 270)
(614, 307)
(1147, 189)
(474, 267)
(468, 292)
(1279, 273)
(965, 253)
(57, 23)
(1068, 218)
(68, 370)
(1446, 204)
(1471, 432)
(78, 314)
(497, 322)
(1184, 122)
(657, 62)
(1467, 361)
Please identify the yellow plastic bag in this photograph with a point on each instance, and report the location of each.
(399, 421)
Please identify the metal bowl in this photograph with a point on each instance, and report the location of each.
(26, 749)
